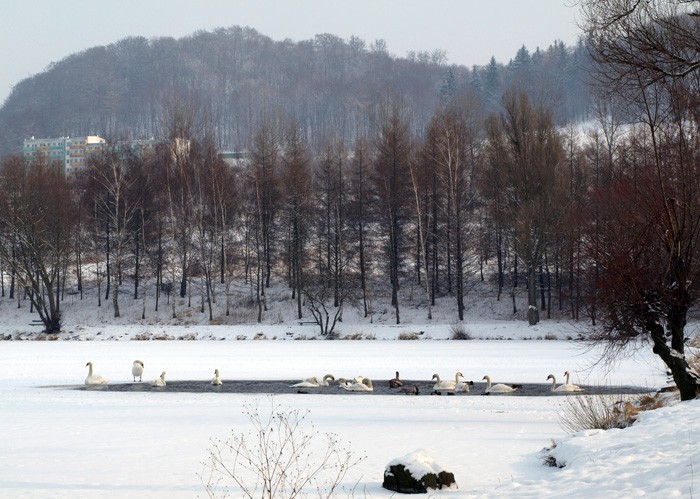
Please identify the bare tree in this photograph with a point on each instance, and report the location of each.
(359, 213)
(37, 212)
(112, 184)
(392, 186)
(297, 207)
(526, 153)
(264, 166)
(457, 151)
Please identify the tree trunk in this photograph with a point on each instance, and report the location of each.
(685, 378)
(533, 314)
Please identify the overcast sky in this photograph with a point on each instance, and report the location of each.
(34, 33)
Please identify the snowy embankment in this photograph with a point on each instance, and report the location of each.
(61, 442)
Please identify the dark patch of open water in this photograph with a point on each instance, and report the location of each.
(380, 388)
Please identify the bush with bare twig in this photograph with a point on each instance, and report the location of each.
(281, 456)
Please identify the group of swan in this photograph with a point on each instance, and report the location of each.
(566, 387)
(137, 372)
(449, 386)
(456, 386)
(357, 384)
(363, 384)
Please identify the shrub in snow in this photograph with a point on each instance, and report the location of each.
(282, 455)
(459, 332)
(415, 473)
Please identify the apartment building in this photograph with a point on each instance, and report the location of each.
(71, 152)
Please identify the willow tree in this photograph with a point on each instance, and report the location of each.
(38, 215)
(647, 56)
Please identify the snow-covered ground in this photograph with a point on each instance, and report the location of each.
(61, 442)
(57, 441)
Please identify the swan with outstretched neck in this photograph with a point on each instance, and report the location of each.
(555, 388)
(570, 387)
(498, 388)
(94, 379)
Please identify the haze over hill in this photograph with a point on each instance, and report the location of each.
(243, 78)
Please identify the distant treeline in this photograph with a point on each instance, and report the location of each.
(330, 86)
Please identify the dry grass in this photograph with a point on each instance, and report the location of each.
(591, 412)
(358, 336)
(459, 332)
(604, 411)
(163, 337)
(408, 336)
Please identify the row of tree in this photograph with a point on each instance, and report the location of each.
(498, 199)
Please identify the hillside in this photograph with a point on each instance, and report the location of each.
(91, 318)
(243, 78)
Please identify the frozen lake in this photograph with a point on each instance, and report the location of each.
(60, 442)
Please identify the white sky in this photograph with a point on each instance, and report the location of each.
(34, 33)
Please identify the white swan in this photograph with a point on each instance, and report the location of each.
(446, 385)
(463, 386)
(353, 386)
(94, 379)
(217, 379)
(499, 388)
(395, 382)
(137, 369)
(570, 387)
(159, 381)
(325, 381)
(555, 388)
(314, 382)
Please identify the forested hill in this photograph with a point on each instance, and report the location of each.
(243, 78)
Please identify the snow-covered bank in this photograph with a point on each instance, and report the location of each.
(59, 442)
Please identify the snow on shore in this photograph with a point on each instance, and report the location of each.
(60, 442)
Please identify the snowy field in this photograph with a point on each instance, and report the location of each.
(62, 442)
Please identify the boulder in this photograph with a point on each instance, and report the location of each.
(415, 473)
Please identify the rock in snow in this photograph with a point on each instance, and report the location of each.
(415, 473)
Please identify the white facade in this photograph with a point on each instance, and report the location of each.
(71, 152)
